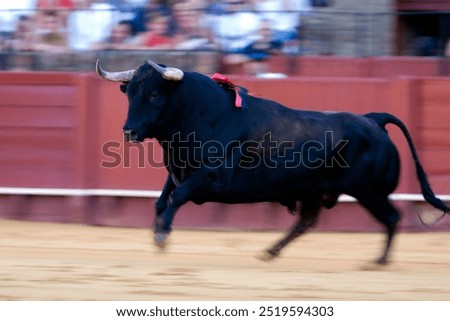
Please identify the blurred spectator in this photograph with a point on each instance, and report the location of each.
(18, 46)
(192, 33)
(10, 11)
(215, 7)
(54, 4)
(322, 3)
(91, 23)
(121, 37)
(237, 27)
(22, 37)
(254, 56)
(127, 5)
(127, 8)
(62, 8)
(426, 46)
(142, 14)
(51, 36)
(157, 34)
(284, 17)
(262, 49)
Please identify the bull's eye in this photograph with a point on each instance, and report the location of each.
(154, 95)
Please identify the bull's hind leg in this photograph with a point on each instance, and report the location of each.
(380, 207)
(308, 217)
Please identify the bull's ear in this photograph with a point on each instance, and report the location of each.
(123, 87)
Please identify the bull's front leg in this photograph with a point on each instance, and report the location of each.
(200, 181)
(161, 206)
(163, 200)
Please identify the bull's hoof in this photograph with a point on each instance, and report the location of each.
(266, 256)
(382, 261)
(161, 240)
(375, 266)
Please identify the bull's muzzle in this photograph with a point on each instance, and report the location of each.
(130, 135)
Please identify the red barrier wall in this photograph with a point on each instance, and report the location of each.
(433, 124)
(39, 126)
(54, 127)
(323, 66)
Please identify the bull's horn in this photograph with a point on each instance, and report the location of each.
(168, 73)
(121, 76)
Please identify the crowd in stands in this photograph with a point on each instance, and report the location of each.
(243, 30)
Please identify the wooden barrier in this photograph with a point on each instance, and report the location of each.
(367, 67)
(39, 124)
(63, 130)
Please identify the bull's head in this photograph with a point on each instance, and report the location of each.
(147, 88)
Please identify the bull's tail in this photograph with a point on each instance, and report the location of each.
(382, 119)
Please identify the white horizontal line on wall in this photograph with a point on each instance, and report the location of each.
(77, 192)
(399, 197)
(154, 194)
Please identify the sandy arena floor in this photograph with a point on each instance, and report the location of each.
(42, 261)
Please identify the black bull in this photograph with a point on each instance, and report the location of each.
(215, 152)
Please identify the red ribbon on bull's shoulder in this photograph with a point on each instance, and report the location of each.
(226, 82)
